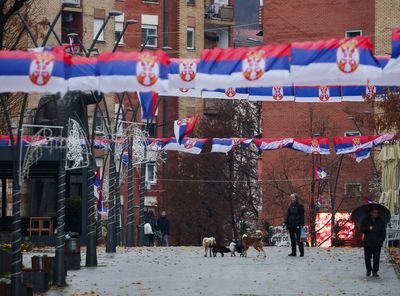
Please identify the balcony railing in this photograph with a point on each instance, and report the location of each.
(216, 11)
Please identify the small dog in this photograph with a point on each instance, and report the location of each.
(236, 248)
(220, 249)
(255, 241)
(208, 243)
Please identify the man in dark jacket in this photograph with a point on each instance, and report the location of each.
(374, 230)
(163, 225)
(294, 222)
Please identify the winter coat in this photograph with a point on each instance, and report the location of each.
(152, 220)
(163, 225)
(295, 215)
(373, 238)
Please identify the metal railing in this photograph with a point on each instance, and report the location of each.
(214, 10)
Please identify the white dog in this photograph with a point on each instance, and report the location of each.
(208, 243)
(232, 247)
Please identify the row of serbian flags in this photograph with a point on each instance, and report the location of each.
(326, 69)
(358, 146)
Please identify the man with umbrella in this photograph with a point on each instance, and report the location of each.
(374, 229)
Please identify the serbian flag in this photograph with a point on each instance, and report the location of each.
(184, 127)
(133, 71)
(97, 190)
(188, 145)
(357, 144)
(361, 154)
(148, 103)
(101, 143)
(182, 73)
(224, 145)
(81, 73)
(272, 143)
(29, 71)
(156, 144)
(360, 93)
(319, 173)
(271, 94)
(4, 140)
(367, 199)
(259, 66)
(391, 72)
(182, 92)
(319, 200)
(311, 145)
(319, 94)
(229, 94)
(343, 61)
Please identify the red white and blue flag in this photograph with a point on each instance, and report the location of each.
(272, 94)
(391, 72)
(272, 143)
(318, 94)
(367, 199)
(29, 71)
(228, 94)
(259, 66)
(133, 71)
(148, 103)
(156, 144)
(224, 145)
(81, 73)
(319, 173)
(311, 145)
(344, 61)
(183, 127)
(188, 145)
(319, 200)
(359, 144)
(182, 73)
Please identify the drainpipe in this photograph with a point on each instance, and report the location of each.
(165, 36)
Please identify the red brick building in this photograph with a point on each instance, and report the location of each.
(293, 20)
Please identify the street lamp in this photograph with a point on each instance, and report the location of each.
(127, 23)
(112, 13)
(75, 36)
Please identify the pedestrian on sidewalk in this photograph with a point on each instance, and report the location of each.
(151, 219)
(294, 222)
(374, 230)
(163, 225)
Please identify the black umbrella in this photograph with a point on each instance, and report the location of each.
(359, 214)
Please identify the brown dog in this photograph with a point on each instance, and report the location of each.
(256, 242)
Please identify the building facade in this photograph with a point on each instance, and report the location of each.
(287, 171)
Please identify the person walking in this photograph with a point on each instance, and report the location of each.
(151, 219)
(294, 222)
(163, 225)
(374, 230)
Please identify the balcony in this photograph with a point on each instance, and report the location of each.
(217, 13)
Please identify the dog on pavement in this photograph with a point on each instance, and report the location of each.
(253, 241)
(236, 248)
(220, 249)
(208, 243)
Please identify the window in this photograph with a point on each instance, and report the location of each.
(119, 26)
(149, 31)
(151, 1)
(353, 33)
(99, 122)
(352, 189)
(97, 24)
(191, 2)
(190, 38)
(151, 170)
(352, 133)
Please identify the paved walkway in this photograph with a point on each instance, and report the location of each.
(184, 271)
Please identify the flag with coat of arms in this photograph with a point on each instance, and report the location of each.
(183, 127)
(319, 173)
